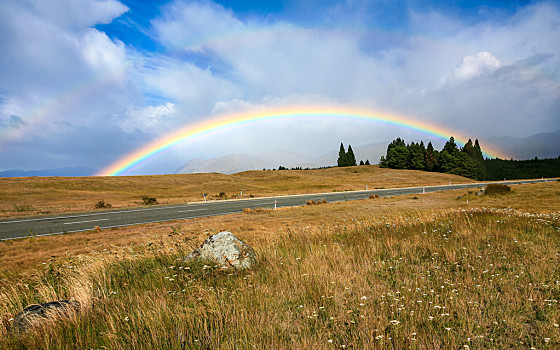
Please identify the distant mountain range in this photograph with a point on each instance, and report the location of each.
(234, 163)
(70, 171)
(543, 145)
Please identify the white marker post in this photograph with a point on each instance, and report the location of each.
(423, 189)
(274, 205)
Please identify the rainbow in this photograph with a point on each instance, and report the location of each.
(225, 122)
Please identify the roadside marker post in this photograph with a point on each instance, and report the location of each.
(274, 205)
(423, 189)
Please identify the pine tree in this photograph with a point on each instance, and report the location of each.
(430, 158)
(350, 157)
(341, 156)
(398, 155)
(479, 158)
(367, 161)
(361, 162)
(450, 146)
(417, 154)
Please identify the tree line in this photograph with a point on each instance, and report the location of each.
(499, 169)
(467, 161)
(347, 158)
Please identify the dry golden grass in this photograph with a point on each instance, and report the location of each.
(34, 195)
(383, 273)
(19, 256)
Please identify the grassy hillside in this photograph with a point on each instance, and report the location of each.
(402, 272)
(34, 195)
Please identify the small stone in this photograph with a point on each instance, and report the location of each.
(41, 312)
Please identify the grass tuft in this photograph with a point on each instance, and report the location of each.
(497, 189)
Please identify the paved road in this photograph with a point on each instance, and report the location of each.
(67, 223)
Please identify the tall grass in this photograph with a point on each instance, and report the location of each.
(466, 279)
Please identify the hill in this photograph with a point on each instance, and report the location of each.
(234, 163)
(32, 195)
(542, 145)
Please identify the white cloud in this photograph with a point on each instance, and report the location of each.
(187, 25)
(474, 66)
(153, 118)
(57, 70)
(76, 15)
(485, 78)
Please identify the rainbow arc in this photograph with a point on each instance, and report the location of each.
(223, 123)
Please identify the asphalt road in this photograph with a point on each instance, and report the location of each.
(68, 223)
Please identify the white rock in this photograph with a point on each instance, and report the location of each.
(225, 249)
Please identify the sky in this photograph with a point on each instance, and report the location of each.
(86, 82)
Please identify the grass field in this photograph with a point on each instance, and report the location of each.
(35, 195)
(427, 272)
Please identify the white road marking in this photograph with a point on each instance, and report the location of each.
(81, 222)
(186, 211)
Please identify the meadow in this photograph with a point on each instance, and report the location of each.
(419, 272)
(41, 195)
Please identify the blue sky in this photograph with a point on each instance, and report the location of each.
(83, 83)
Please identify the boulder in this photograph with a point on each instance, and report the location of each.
(479, 193)
(225, 249)
(36, 313)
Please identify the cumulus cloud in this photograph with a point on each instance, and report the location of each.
(190, 25)
(493, 76)
(474, 66)
(58, 70)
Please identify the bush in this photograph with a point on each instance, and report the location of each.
(102, 205)
(22, 208)
(495, 189)
(149, 200)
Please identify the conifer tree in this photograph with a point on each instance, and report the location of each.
(417, 155)
(398, 155)
(367, 161)
(431, 158)
(350, 157)
(362, 162)
(341, 156)
(479, 158)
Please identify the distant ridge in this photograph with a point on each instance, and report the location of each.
(68, 171)
(234, 163)
(543, 145)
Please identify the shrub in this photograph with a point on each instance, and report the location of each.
(102, 205)
(149, 200)
(496, 189)
(22, 208)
